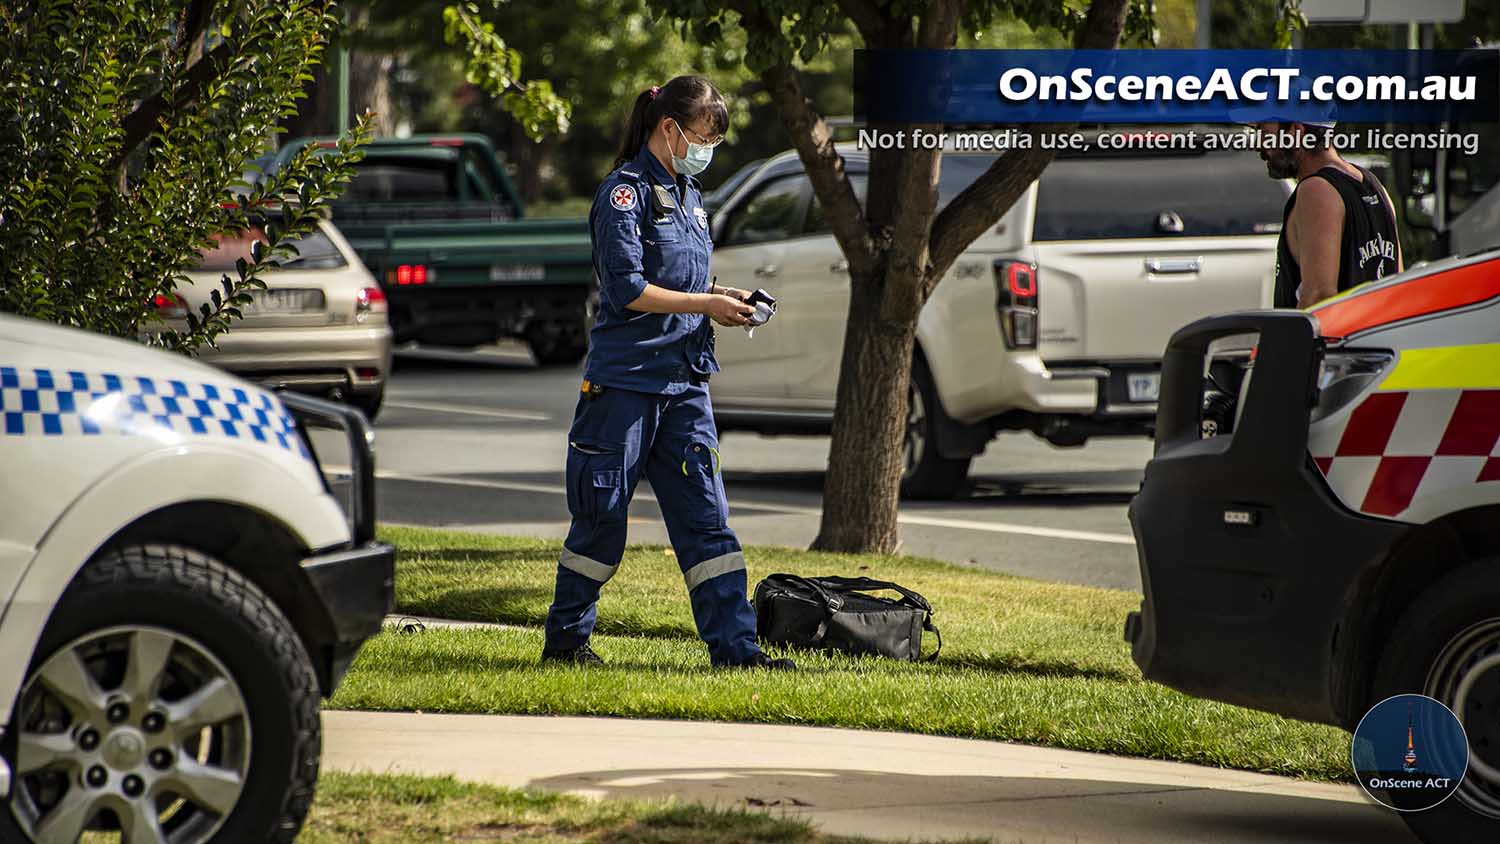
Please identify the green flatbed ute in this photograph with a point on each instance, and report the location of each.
(438, 221)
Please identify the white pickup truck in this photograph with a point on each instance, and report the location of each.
(1053, 321)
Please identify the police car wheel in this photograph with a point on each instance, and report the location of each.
(1447, 646)
(925, 473)
(169, 699)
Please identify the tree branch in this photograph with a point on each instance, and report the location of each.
(139, 124)
(194, 22)
(867, 18)
(938, 29)
(824, 166)
(991, 195)
(1101, 29)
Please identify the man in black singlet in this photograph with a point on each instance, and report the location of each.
(1338, 229)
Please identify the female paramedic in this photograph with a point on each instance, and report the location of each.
(644, 407)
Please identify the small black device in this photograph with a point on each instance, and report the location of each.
(765, 307)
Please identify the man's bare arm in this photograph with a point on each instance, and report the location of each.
(1317, 225)
(1391, 207)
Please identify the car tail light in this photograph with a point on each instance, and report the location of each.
(408, 274)
(1016, 302)
(169, 306)
(370, 300)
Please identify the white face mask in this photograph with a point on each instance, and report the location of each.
(697, 158)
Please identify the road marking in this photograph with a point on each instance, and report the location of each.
(1026, 530)
(790, 510)
(469, 410)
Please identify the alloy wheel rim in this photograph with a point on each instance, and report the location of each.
(1466, 677)
(916, 435)
(137, 728)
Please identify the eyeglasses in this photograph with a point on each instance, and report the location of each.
(697, 138)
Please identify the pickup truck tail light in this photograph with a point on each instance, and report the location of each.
(170, 306)
(1016, 302)
(370, 300)
(409, 274)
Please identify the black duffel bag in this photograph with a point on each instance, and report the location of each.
(835, 613)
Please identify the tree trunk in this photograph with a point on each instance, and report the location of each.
(370, 88)
(861, 490)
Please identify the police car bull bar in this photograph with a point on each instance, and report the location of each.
(1234, 533)
(1281, 394)
(318, 413)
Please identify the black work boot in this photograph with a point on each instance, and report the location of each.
(581, 655)
(761, 660)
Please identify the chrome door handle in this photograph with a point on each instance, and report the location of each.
(1168, 266)
(840, 266)
(767, 270)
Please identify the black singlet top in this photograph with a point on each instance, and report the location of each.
(1368, 248)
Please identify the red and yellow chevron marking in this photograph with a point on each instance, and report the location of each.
(1432, 427)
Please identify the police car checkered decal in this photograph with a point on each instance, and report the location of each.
(1398, 445)
(40, 402)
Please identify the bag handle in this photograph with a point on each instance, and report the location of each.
(831, 601)
(855, 584)
(928, 625)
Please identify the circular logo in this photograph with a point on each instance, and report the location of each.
(1410, 752)
(622, 197)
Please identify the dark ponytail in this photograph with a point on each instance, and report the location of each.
(686, 99)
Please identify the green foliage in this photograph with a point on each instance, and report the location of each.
(124, 129)
(596, 54)
(1289, 18)
(496, 69)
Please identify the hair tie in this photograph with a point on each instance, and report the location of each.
(655, 91)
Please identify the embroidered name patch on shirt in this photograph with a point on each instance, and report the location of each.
(702, 218)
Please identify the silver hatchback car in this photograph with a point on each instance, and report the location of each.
(320, 326)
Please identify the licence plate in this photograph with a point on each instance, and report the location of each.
(284, 301)
(517, 272)
(1142, 386)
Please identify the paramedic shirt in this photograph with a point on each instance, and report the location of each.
(1367, 249)
(648, 227)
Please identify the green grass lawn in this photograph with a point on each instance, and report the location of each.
(1023, 660)
(371, 809)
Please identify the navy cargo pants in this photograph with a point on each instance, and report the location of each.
(615, 437)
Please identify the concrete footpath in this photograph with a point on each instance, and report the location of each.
(885, 785)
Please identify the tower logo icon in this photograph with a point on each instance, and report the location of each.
(1419, 772)
(1409, 761)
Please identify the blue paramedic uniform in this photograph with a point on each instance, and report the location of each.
(653, 416)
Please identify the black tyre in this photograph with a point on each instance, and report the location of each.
(369, 402)
(168, 698)
(1447, 646)
(926, 473)
(557, 349)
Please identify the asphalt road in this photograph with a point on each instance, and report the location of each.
(478, 440)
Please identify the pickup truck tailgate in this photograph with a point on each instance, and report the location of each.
(1130, 249)
(1105, 300)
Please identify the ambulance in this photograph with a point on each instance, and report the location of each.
(179, 586)
(1319, 528)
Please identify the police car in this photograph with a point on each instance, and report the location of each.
(1334, 539)
(178, 588)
